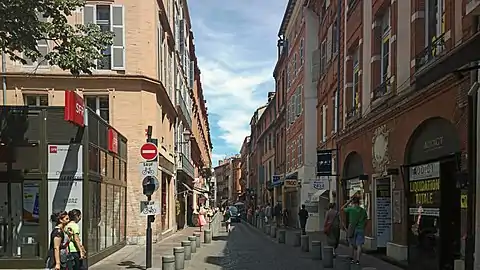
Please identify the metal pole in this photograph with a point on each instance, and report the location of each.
(472, 144)
(4, 78)
(148, 233)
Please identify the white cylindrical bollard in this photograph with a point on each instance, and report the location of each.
(179, 254)
(342, 262)
(296, 240)
(188, 250)
(327, 257)
(193, 243)
(207, 236)
(168, 262)
(281, 236)
(316, 250)
(304, 243)
(198, 241)
(273, 231)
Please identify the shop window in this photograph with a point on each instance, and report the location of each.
(122, 171)
(27, 158)
(123, 203)
(100, 105)
(94, 160)
(103, 163)
(116, 214)
(35, 100)
(109, 234)
(109, 166)
(103, 217)
(94, 217)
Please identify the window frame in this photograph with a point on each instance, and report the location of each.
(37, 99)
(385, 46)
(42, 43)
(98, 108)
(356, 76)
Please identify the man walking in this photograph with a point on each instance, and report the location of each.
(357, 217)
(302, 217)
(278, 214)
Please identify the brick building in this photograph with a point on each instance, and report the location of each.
(257, 175)
(245, 169)
(135, 85)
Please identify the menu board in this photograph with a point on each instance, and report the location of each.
(383, 206)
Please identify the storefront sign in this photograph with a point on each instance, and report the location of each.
(289, 183)
(276, 180)
(74, 108)
(65, 195)
(424, 185)
(383, 215)
(324, 162)
(65, 161)
(112, 140)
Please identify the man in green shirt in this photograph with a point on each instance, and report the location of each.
(357, 217)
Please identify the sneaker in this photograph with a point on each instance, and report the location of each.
(352, 261)
(357, 262)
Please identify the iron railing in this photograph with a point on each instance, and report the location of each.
(434, 49)
(353, 112)
(183, 108)
(382, 89)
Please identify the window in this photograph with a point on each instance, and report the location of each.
(160, 61)
(324, 123)
(356, 78)
(435, 20)
(323, 56)
(335, 39)
(109, 18)
(42, 46)
(335, 112)
(295, 67)
(298, 107)
(300, 149)
(99, 104)
(385, 48)
(301, 51)
(36, 100)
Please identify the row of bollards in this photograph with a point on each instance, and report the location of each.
(315, 248)
(184, 252)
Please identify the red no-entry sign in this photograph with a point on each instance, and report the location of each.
(149, 151)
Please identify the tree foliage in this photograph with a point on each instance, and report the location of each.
(71, 47)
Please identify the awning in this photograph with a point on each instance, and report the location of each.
(317, 195)
(292, 175)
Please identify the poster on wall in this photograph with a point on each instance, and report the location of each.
(31, 202)
(383, 207)
(65, 195)
(65, 161)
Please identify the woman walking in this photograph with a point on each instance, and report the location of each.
(76, 247)
(58, 257)
(201, 217)
(331, 227)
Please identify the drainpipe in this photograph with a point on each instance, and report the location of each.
(337, 145)
(4, 78)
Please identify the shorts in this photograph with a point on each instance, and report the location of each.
(358, 238)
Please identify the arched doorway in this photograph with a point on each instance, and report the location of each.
(433, 198)
(353, 176)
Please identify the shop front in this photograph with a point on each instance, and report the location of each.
(47, 165)
(432, 177)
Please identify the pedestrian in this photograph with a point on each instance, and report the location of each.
(262, 216)
(268, 213)
(285, 217)
(201, 217)
(76, 248)
(228, 219)
(249, 215)
(331, 227)
(58, 257)
(303, 217)
(278, 214)
(357, 217)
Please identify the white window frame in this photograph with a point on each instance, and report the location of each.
(324, 123)
(356, 75)
(97, 108)
(37, 98)
(335, 112)
(323, 56)
(440, 25)
(300, 149)
(302, 41)
(385, 48)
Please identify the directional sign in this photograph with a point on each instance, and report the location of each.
(148, 168)
(149, 151)
(149, 208)
(148, 180)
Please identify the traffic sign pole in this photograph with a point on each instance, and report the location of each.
(146, 151)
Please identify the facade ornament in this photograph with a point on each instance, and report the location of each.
(380, 156)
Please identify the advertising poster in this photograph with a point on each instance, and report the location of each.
(383, 206)
(31, 202)
(65, 195)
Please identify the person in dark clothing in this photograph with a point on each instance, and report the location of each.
(303, 216)
(278, 214)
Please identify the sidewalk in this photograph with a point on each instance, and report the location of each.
(366, 259)
(133, 256)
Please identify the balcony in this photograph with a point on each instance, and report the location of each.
(182, 109)
(382, 90)
(183, 164)
(353, 113)
(430, 53)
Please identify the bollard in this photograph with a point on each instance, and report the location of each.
(327, 257)
(316, 250)
(193, 243)
(273, 231)
(168, 262)
(304, 243)
(342, 262)
(207, 236)
(179, 254)
(197, 238)
(296, 240)
(267, 229)
(281, 236)
(188, 250)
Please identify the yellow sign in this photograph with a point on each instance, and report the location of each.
(463, 201)
(290, 183)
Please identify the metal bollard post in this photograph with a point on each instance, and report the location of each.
(207, 236)
(179, 254)
(267, 229)
(342, 262)
(168, 262)
(304, 243)
(198, 241)
(273, 231)
(281, 236)
(316, 250)
(296, 240)
(188, 250)
(328, 257)
(193, 243)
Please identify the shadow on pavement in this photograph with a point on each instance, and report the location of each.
(131, 265)
(220, 238)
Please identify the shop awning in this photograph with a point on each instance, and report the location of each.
(317, 195)
(292, 175)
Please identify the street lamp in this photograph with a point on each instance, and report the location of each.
(187, 136)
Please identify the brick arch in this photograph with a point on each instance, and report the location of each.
(430, 129)
(353, 165)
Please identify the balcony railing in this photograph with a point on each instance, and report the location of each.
(353, 112)
(185, 165)
(381, 90)
(183, 108)
(430, 53)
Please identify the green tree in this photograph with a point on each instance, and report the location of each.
(72, 47)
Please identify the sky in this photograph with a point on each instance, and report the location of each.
(235, 43)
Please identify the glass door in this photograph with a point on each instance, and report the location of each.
(11, 221)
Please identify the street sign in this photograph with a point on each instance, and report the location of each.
(149, 151)
(151, 180)
(148, 168)
(149, 208)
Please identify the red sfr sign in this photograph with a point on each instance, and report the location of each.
(74, 108)
(149, 151)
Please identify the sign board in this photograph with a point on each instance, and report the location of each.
(74, 108)
(148, 168)
(148, 180)
(112, 140)
(324, 162)
(149, 208)
(65, 195)
(319, 184)
(276, 180)
(289, 183)
(65, 161)
(383, 209)
(149, 151)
